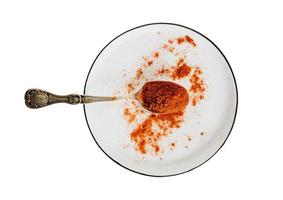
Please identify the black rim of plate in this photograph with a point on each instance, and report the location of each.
(236, 108)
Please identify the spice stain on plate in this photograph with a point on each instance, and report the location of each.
(180, 40)
(146, 137)
(125, 146)
(202, 133)
(163, 71)
(139, 73)
(149, 62)
(186, 38)
(190, 40)
(172, 145)
(130, 87)
(181, 70)
(156, 54)
(130, 116)
(149, 130)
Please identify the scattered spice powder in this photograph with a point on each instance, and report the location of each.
(169, 47)
(180, 40)
(187, 38)
(125, 146)
(149, 130)
(197, 88)
(130, 116)
(139, 73)
(172, 145)
(181, 70)
(163, 71)
(156, 54)
(130, 87)
(145, 136)
(190, 40)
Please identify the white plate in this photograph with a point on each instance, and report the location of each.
(214, 116)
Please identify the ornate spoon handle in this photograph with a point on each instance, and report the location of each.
(36, 98)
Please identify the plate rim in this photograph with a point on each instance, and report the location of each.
(235, 83)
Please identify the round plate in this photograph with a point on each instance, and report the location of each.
(207, 125)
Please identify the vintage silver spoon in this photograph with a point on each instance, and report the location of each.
(37, 98)
(158, 91)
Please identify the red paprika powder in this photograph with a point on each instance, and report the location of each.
(150, 130)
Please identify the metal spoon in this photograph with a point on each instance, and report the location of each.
(36, 98)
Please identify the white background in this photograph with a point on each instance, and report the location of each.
(50, 154)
